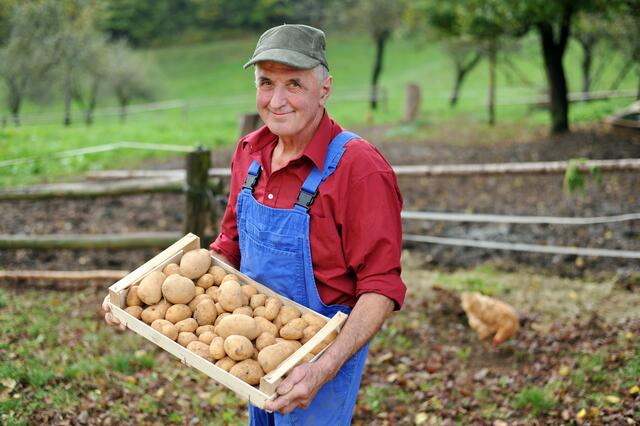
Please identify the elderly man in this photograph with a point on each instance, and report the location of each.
(313, 213)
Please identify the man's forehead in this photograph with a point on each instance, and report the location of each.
(269, 67)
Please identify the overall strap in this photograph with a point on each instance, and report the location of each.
(309, 189)
(252, 177)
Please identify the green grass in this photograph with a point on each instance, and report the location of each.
(210, 75)
(535, 399)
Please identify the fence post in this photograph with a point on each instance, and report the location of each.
(412, 103)
(196, 196)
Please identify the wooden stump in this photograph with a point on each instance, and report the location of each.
(196, 193)
(412, 103)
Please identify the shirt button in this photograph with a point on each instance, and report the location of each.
(270, 196)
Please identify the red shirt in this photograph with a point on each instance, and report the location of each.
(355, 227)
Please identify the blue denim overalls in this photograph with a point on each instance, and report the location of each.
(275, 251)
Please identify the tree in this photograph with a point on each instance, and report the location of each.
(590, 29)
(31, 53)
(129, 76)
(626, 40)
(473, 28)
(94, 73)
(77, 43)
(379, 18)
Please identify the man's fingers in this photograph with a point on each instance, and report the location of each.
(288, 383)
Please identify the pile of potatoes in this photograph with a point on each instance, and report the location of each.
(213, 315)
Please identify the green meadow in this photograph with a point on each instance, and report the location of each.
(215, 90)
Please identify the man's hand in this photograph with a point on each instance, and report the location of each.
(108, 316)
(299, 388)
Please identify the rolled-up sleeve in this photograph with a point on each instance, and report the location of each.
(372, 235)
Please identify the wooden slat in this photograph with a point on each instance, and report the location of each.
(74, 190)
(64, 276)
(88, 242)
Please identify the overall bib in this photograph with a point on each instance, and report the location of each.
(275, 251)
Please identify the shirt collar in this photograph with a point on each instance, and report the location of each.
(316, 150)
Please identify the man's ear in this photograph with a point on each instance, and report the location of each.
(325, 90)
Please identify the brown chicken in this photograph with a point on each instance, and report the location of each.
(488, 316)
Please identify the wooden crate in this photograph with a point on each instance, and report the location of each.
(173, 254)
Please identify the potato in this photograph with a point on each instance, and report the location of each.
(216, 348)
(230, 295)
(244, 310)
(188, 324)
(225, 363)
(218, 274)
(207, 337)
(134, 311)
(186, 337)
(230, 277)
(222, 315)
(154, 312)
(178, 289)
(308, 333)
(205, 281)
(271, 356)
(248, 370)
(260, 311)
(205, 312)
(150, 288)
(325, 342)
(132, 297)
(312, 319)
(220, 309)
(177, 313)
(238, 324)
(294, 329)
(165, 327)
(294, 344)
(171, 268)
(238, 347)
(249, 290)
(199, 291)
(266, 326)
(272, 305)
(286, 314)
(205, 328)
(195, 263)
(200, 349)
(257, 300)
(213, 292)
(199, 298)
(264, 340)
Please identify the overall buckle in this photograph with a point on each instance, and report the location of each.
(305, 198)
(251, 181)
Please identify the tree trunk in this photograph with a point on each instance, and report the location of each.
(377, 68)
(587, 59)
(461, 72)
(123, 110)
(553, 52)
(93, 99)
(14, 100)
(638, 93)
(491, 104)
(67, 98)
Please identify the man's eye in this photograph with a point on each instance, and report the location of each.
(265, 83)
(294, 84)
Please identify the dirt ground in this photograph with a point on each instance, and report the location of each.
(518, 195)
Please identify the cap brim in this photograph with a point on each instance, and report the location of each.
(284, 56)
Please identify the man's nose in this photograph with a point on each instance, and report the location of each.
(279, 98)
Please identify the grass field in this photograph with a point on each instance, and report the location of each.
(210, 79)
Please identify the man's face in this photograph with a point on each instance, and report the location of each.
(288, 99)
